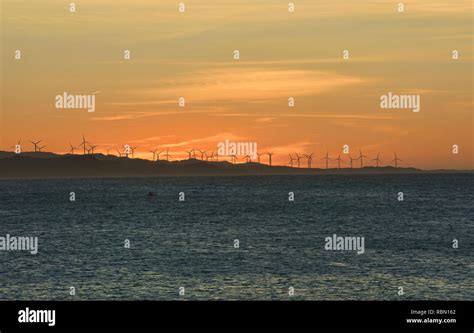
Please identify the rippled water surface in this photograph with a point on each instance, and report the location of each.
(407, 244)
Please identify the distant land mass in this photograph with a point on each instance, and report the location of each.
(51, 165)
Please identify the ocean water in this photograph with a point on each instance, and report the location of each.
(190, 244)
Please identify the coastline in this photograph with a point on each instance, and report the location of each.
(49, 165)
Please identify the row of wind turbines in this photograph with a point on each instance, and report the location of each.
(214, 156)
(295, 161)
(194, 153)
(309, 158)
(37, 147)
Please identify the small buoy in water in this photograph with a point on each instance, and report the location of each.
(151, 194)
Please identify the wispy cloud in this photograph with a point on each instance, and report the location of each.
(299, 146)
(208, 140)
(142, 114)
(315, 115)
(251, 84)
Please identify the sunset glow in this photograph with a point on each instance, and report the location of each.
(282, 55)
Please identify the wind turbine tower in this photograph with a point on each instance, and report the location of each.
(202, 152)
(72, 148)
(291, 160)
(83, 143)
(339, 160)
(298, 157)
(133, 151)
(154, 153)
(377, 160)
(310, 159)
(361, 157)
(352, 159)
(92, 147)
(396, 159)
(327, 158)
(190, 152)
(36, 145)
(167, 155)
(270, 158)
(17, 146)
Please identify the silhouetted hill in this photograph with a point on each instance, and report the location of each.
(5, 154)
(47, 165)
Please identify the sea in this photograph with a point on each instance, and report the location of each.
(240, 238)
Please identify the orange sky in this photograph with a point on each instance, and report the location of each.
(282, 55)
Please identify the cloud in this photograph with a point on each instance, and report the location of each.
(292, 147)
(250, 84)
(264, 119)
(212, 140)
(143, 114)
(315, 115)
(435, 6)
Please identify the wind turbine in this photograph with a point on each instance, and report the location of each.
(377, 160)
(92, 147)
(203, 152)
(361, 157)
(234, 158)
(36, 144)
(119, 152)
(352, 159)
(72, 148)
(19, 141)
(298, 157)
(248, 159)
(154, 153)
(39, 148)
(133, 150)
(327, 158)
(217, 156)
(270, 158)
(83, 143)
(258, 157)
(189, 153)
(291, 160)
(339, 160)
(208, 156)
(167, 155)
(310, 159)
(158, 154)
(396, 159)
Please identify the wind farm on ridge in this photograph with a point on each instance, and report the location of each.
(296, 160)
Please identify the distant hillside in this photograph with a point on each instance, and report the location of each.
(5, 154)
(48, 165)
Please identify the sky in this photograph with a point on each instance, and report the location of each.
(282, 54)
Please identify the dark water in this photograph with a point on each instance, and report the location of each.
(191, 244)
